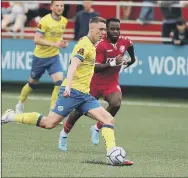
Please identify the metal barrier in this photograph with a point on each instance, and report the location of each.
(112, 3)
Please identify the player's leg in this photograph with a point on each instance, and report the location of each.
(114, 102)
(26, 90)
(62, 108)
(113, 96)
(56, 72)
(101, 115)
(37, 70)
(93, 109)
(33, 118)
(71, 120)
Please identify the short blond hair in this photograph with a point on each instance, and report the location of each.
(97, 19)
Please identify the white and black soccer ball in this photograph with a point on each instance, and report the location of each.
(116, 156)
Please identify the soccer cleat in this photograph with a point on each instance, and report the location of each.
(94, 135)
(19, 108)
(62, 143)
(128, 163)
(4, 119)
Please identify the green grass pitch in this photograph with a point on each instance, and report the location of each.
(154, 136)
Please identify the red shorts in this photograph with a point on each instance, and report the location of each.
(98, 91)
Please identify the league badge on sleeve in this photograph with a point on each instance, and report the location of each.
(81, 51)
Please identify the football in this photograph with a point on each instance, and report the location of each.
(116, 156)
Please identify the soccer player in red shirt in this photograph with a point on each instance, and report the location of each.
(110, 53)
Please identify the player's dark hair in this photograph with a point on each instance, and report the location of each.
(113, 19)
(52, 1)
(180, 21)
(97, 20)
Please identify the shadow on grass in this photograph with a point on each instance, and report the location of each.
(100, 163)
(95, 162)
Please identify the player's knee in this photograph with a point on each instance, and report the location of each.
(32, 85)
(50, 125)
(115, 104)
(47, 123)
(58, 83)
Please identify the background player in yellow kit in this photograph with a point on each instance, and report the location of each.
(48, 40)
(74, 92)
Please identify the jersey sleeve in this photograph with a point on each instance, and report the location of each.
(80, 51)
(100, 54)
(42, 27)
(128, 42)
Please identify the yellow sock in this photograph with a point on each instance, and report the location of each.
(25, 92)
(54, 96)
(32, 118)
(108, 136)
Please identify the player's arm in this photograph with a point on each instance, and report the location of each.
(38, 37)
(74, 63)
(130, 50)
(112, 63)
(76, 60)
(100, 64)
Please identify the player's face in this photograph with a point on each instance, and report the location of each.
(99, 30)
(113, 30)
(87, 5)
(181, 28)
(58, 7)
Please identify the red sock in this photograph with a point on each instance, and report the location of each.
(67, 127)
(99, 125)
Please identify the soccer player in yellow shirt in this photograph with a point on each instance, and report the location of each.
(74, 92)
(48, 40)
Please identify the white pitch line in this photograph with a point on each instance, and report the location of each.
(131, 103)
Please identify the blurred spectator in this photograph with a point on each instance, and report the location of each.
(181, 33)
(184, 3)
(16, 17)
(66, 10)
(44, 9)
(170, 15)
(32, 10)
(126, 10)
(82, 20)
(146, 13)
(5, 8)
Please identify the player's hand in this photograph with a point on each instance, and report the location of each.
(119, 60)
(61, 44)
(177, 42)
(66, 93)
(128, 62)
(64, 43)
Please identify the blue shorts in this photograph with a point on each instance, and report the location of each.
(77, 100)
(40, 65)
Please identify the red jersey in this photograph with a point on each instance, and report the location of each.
(105, 52)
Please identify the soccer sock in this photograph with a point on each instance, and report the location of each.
(55, 93)
(32, 118)
(25, 91)
(98, 126)
(67, 127)
(108, 136)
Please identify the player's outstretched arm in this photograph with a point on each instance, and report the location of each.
(75, 62)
